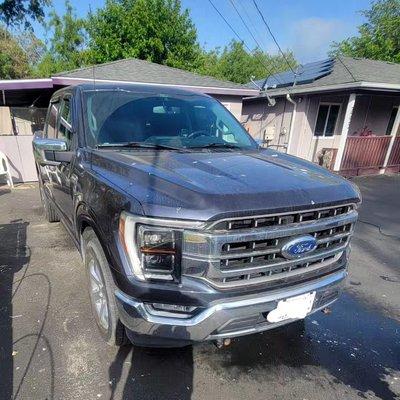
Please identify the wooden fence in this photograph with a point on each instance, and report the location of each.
(363, 155)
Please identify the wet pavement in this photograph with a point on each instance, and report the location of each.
(50, 348)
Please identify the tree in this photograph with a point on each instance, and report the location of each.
(21, 12)
(379, 37)
(13, 60)
(236, 64)
(153, 30)
(67, 49)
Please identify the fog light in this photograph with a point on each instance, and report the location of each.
(173, 308)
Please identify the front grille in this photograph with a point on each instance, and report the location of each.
(268, 251)
(246, 251)
(281, 219)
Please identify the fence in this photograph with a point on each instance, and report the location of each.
(363, 155)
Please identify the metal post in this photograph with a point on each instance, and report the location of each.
(345, 131)
(393, 133)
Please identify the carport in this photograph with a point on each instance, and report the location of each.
(23, 105)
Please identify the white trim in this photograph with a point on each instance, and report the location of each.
(21, 84)
(203, 89)
(11, 81)
(345, 131)
(395, 128)
(328, 88)
(327, 103)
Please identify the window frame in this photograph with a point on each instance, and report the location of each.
(327, 103)
(72, 145)
(52, 102)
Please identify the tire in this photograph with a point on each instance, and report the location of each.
(49, 210)
(101, 293)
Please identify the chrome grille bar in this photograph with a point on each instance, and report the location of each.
(235, 257)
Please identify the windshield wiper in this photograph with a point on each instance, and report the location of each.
(218, 145)
(139, 145)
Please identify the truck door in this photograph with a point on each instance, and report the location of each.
(48, 172)
(62, 191)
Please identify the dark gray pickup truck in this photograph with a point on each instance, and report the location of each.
(189, 231)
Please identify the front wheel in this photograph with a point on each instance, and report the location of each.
(101, 290)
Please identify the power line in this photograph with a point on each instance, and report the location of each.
(261, 37)
(273, 37)
(241, 40)
(272, 60)
(269, 72)
(244, 23)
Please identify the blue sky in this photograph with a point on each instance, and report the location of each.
(306, 27)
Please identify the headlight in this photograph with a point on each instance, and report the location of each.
(157, 250)
(152, 246)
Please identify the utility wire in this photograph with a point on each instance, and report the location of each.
(273, 69)
(241, 40)
(273, 37)
(244, 23)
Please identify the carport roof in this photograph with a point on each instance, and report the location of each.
(348, 73)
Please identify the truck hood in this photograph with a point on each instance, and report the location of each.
(204, 185)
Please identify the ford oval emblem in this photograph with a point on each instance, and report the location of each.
(299, 246)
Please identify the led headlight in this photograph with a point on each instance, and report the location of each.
(156, 249)
(151, 250)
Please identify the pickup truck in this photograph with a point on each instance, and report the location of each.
(189, 231)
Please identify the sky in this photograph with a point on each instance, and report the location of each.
(306, 27)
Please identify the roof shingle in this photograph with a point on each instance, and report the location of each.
(135, 70)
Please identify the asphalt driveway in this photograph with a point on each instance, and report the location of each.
(50, 348)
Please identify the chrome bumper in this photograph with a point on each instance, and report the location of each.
(242, 316)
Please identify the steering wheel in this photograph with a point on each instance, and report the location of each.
(199, 133)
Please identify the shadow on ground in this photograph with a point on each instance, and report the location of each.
(15, 257)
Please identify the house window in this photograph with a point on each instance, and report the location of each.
(326, 119)
(391, 120)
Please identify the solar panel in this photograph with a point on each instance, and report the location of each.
(305, 74)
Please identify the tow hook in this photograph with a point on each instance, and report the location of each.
(220, 343)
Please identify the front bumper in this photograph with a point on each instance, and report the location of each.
(223, 318)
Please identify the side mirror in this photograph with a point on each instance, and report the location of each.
(51, 151)
(260, 142)
(38, 134)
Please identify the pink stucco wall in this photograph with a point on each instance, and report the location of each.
(18, 150)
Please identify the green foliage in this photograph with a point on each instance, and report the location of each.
(379, 37)
(236, 64)
(153, 30)
(21, 12)
(66, 49)
(13, 59)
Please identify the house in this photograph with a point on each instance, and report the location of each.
(342, 113)
(23, 102)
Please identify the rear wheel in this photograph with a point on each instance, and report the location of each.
(101, 291)
(49, 210)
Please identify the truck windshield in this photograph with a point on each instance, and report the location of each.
(153, 120)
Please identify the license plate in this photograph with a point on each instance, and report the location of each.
(292, 308)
